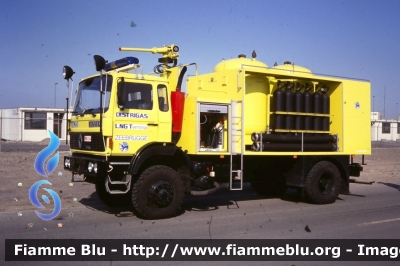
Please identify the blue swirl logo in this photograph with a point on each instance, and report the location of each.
(40, 169)
(45, 153)
(35, 201)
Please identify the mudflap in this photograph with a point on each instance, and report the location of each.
(355, 169)
(301, 166)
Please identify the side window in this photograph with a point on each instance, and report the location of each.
(385, 128)
(139, 96)
(35, 120)
(162, 94)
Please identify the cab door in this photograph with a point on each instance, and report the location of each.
(136, 122)
(164, 114)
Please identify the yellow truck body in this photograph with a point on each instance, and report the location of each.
(142, 139)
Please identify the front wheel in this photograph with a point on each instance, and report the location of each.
(322, 184)
(158, 193)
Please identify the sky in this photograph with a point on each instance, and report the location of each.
(358, 39)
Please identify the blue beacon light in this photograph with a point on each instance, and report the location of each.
(121, 63)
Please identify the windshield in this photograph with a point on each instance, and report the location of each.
(88, 97)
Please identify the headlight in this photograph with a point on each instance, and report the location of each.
(90, 167)
(95, 168)
(67, 72)
(67, 163)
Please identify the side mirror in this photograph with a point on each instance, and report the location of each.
(121, 93)
(99, 62)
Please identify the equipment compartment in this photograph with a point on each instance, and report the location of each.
(213, 127)
(301, 118)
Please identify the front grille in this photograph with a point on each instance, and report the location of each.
(77, 141)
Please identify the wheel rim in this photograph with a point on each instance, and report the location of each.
(161, 194)
(326, 184)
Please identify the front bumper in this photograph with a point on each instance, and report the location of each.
(87, 166)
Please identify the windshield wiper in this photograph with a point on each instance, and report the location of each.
(86, 111)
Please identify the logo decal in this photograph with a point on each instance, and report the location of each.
(357, 105)
(74, 124)
(45, 153)
(123, 146)
(35, 201)
(50, 167)
(134, 138)
(131, 126)
(80, 140)
(132, 115)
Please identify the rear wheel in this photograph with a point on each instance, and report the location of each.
(158, 193)
(322, 184)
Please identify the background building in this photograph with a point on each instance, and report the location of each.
(32, 124)
(384, 129)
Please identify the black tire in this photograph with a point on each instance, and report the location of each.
(322, 184)
(272, 186)
(112, 200)
(158, 193)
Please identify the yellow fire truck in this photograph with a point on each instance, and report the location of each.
(142, 140)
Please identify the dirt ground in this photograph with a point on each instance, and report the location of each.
(17, 174)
